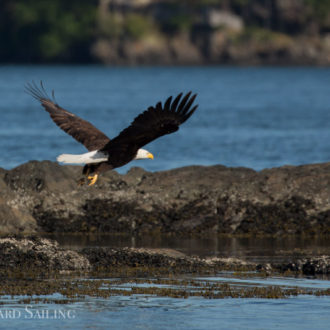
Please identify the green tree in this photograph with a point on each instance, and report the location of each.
(43, 31)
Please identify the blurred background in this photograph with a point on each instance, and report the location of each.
(165, 31)
(260, 69)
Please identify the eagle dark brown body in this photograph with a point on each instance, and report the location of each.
(106, 154)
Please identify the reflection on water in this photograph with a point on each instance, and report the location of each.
(120, 304)
(251, 248)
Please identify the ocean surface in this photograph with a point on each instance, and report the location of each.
(250, 117)
(147, 311)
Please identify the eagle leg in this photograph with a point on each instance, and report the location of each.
(92, 179)
(81, 181)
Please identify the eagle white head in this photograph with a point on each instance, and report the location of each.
(143, 154)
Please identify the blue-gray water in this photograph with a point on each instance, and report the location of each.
(152, 312)
(251, 117)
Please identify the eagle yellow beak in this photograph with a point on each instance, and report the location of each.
(150, 155)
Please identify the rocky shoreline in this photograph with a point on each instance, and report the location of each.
(33, 256)
(39, 197)
(168, 32)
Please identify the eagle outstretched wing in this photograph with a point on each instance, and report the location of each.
(83, 131)
(153, 123)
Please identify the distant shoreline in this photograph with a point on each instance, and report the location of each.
(161, 32)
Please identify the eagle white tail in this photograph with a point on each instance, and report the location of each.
(87, 158)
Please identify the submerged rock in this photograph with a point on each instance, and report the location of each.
(44, 197)
(33, 255)
(308, 266)
(39, 253)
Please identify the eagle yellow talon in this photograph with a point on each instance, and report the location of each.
(93, 179)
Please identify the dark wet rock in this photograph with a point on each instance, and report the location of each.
(165, 260)
(308, 266)
(44, 197)
(39, 253)
(318, 265)
(28, 255)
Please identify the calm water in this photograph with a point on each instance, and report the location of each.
(152, 312)
(251, 117)
(267, 249)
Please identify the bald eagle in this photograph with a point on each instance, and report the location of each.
(105, 154)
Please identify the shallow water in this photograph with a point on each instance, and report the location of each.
(251, 117)
(269, 249)
(195, 313)
(157, 311)
(141, 311)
